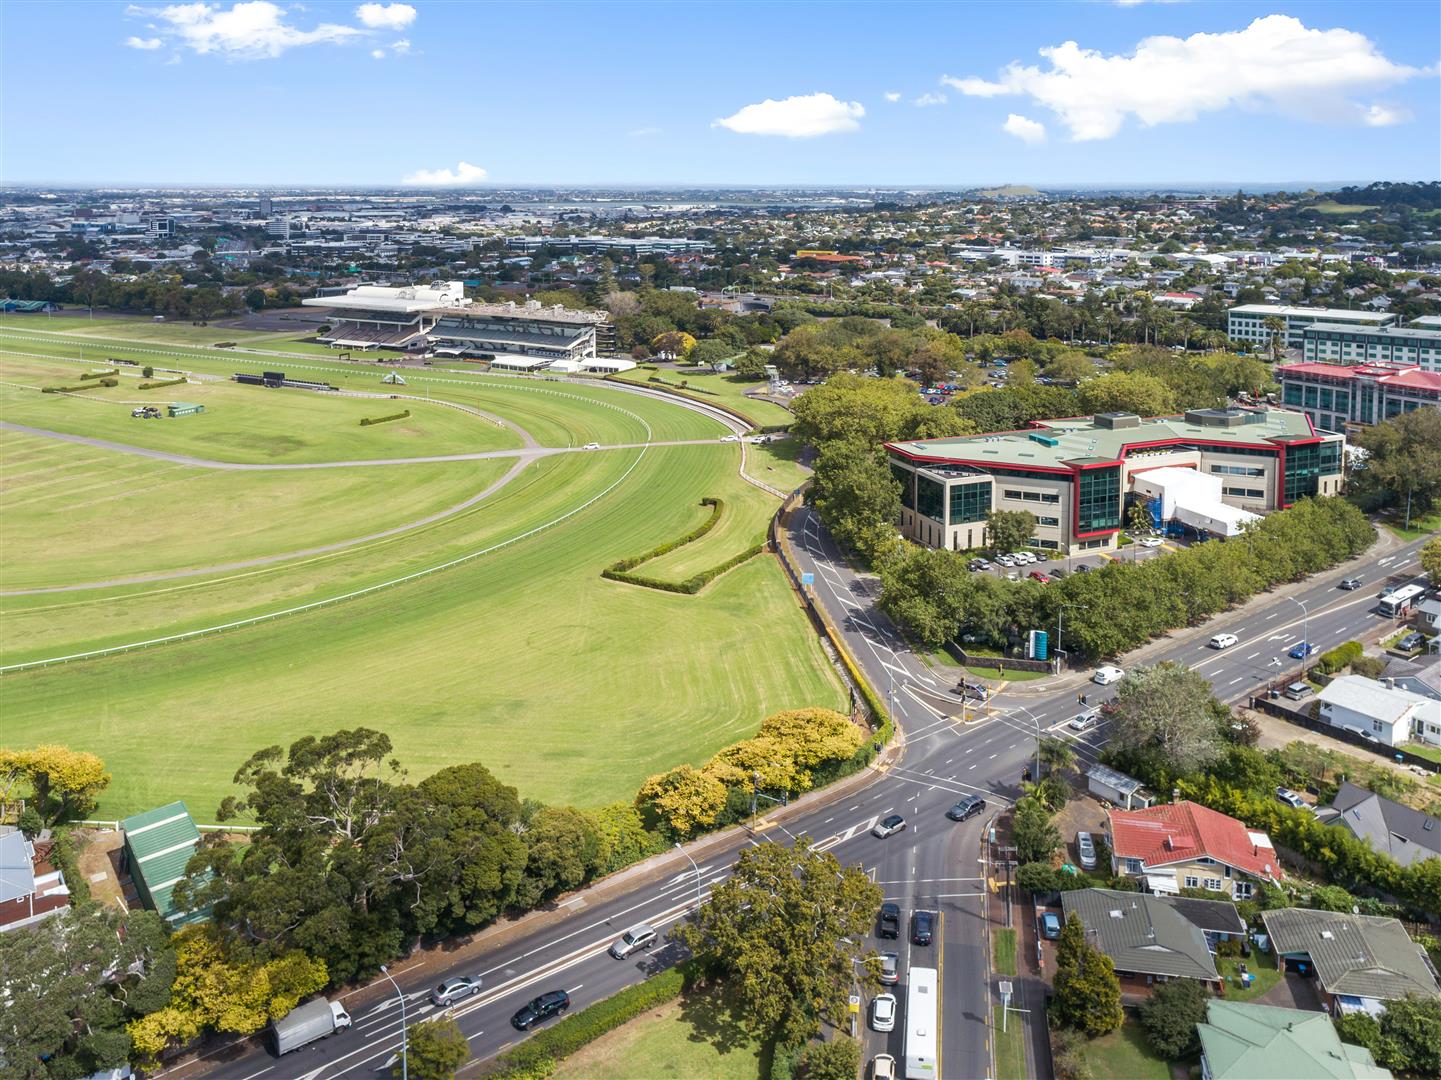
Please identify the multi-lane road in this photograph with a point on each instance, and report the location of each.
(934, 864)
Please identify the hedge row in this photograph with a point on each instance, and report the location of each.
(691, 585)
(368, 421)
(682, 389)
(100, 374)
(1333, 660)
(158, 385)
(539, 1055)
(695, 395)
(78, 389)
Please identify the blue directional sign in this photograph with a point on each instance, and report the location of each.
(808, 579)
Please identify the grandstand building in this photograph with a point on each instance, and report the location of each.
(520, 337)
(1210, 470)
(376, 316)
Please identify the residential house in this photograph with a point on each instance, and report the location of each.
(1428, 615)
(1405, 834)
(1117, 787)
(1152, 938)
(1360, 961)
(1379, 711)
(31, 887)
(1241, 1041)
(1184, 845)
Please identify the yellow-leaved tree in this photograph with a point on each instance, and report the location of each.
(64, 783)
(684, 798)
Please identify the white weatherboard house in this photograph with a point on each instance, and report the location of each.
(1380, 710)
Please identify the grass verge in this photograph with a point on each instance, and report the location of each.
(1126, 1053)
(1003, 945)
(1011, 1047)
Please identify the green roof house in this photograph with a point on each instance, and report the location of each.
(1262, 1042)
(158, 844)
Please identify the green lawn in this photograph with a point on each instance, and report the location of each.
(1425, 750)
(1011, 1046)
(69, 514)
(1003, 944)
(674, 1040)
(1331, 206)
(1262, 965)
(777, 463)
(1421, 526)
(729, 390)
(1009, 674)
(1125, 1053)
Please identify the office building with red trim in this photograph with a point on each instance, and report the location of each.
(1337, 396)
(1075, 475)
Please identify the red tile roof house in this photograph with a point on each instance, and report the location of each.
(30, 888)
(1182, 845)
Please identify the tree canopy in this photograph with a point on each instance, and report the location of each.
(1166, 716)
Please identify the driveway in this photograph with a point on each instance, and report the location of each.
(1292, 992)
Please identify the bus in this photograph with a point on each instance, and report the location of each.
(922, 1024)
(1399, 602)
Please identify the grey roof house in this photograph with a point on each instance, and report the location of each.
(1145, 935)
(1405, 834)
(1360, 961)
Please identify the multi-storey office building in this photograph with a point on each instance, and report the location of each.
(1333, 396)
(1362, 345)
(1074, 475)
(1247, 322)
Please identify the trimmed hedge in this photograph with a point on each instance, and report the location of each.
(77, 389)
(620, 571)
(697, 396)
(368, 421)
(539, 1055)
(100, 374)
(158, 385)
(1333, 660)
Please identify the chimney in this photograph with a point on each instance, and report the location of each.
(1390, 683)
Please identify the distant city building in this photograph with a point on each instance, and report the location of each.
(1077, 475)
(265, 206)
(1358, 345)
(278, 228)
(1334, 395)
(625, 245)
(1247, 322)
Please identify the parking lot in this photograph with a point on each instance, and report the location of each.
(1034, 561)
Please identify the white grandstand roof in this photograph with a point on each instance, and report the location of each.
(411, 299)
(530, 310)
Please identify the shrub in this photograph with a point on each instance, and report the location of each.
(100, 374)
(1369, 666)
(158, 385)
(368, 421)
(147, 371)
(1170, 1016)
(620, 570)
(83, 386)
(1333, 660)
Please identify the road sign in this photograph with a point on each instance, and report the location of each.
(808, 579)
(855, 1003)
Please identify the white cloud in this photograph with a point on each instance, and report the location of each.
(144, 43)
(1383, 115)
(927, 100)
(801, 117)
(401, 47)
(643, 132)
(464, 175)
(385, 16)
(251, 30)
(1025, 129)
(893, 96)
(377, 54)
(1275, 63)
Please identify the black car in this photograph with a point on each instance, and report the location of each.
(541, 1008)
(890, 924)
(968, 807)
(1083, 568)
(922, 926)
(1411, 641)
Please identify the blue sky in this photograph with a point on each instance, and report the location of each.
(694, 93)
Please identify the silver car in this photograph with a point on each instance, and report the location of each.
(890, 969)
(637, 937)
(453, 990)
(1086, 850)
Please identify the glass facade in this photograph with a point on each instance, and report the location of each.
(1100, 500)
(904, 477)
(1305, 465)
(970, 502)
(930, 498)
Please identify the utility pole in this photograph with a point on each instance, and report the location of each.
(404, 1032)
(1009, 854)
(686, 853)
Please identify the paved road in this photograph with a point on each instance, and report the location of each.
(933, 864)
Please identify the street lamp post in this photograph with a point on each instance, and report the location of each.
(1305, 622)
(686, 853)
(404, 1034)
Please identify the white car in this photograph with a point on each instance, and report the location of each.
(1023, 556)
(1224, 641)
(1290, 798)
(883, 1067)
(591, 446)
(1107, 675)
(1006, 560)
(883, 1012)
(1086, 850)
(1151, 541)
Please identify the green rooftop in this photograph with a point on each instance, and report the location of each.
(158, 844)
(1264, 1042)
(1084, 440)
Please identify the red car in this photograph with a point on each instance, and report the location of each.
(1041, 576)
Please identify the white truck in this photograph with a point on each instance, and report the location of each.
(306, 1023)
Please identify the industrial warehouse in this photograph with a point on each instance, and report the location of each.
(1209, 471)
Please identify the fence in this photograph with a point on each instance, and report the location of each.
(1272, 707)
(1001, 663)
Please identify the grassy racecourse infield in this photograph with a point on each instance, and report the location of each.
(569, 686)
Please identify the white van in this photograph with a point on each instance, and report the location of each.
(1224, 641)
(1107, 675)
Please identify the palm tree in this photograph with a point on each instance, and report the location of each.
(1277, 329)
(1056, 755)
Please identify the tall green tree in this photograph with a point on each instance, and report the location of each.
(855, 494)
(1087, 991)
(838, 1059)
(436, 1049)
(787, 929)
(1166, 716)
(1033, 832)
(1170, 1015)
(1402, 462)
(1431, 560)
(1009, 530)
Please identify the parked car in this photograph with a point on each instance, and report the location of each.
(1151, 542)
(1303, 649)
(1041, 576)
(889, 826)
(1014, 575)
(453, 990)
(1290, 798)
(536, 1010)
(967, 808)
(1224, 641)
(1086, 850)
(637, 937)
(1107, 675)
(1005, 560)
(1297, 690)
(883, 1067)
(1050, 926)
(922, 927)
(890, 969)
(1083, 568)
(883, 1012)
(890, 922)
(1411, 641)
(1083, 721)
(730, 438)
(1351, 584)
